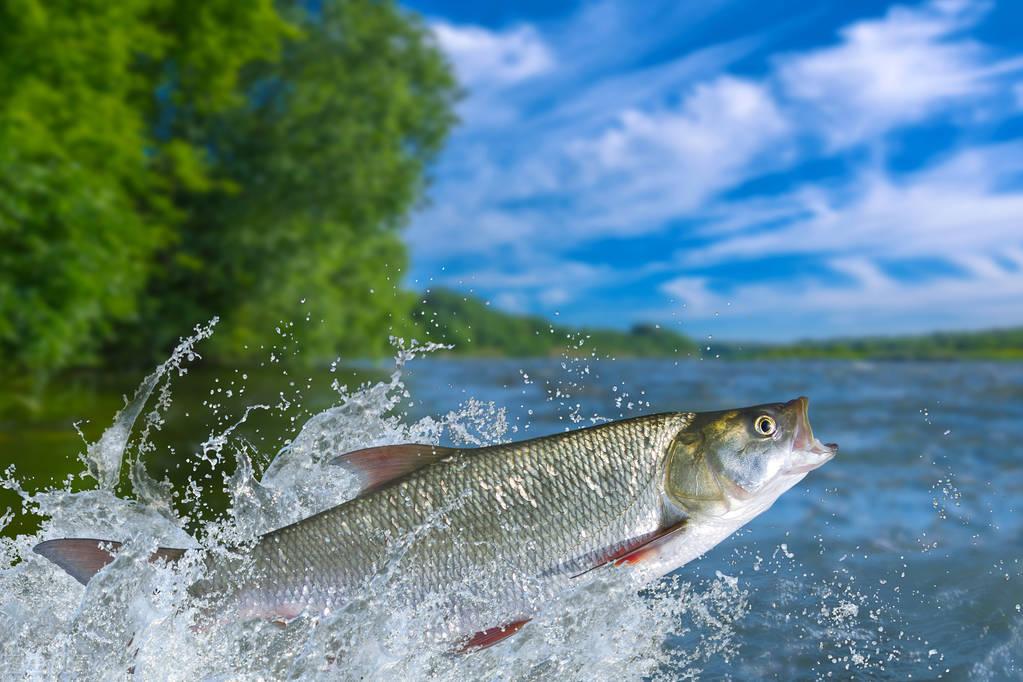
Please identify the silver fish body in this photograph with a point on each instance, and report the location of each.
(489, 534)
(509, 523)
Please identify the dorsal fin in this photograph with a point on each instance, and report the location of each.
(83, 558)
(377, 467)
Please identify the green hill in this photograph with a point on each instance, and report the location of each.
(474, 327)
(992, 344)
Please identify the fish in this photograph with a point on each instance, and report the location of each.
(493, 533)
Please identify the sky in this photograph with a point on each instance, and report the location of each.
(740, 170)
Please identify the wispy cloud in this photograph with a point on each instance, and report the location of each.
(970, 203)
(637, 130)
(888, 72)
(1017, 91)
(482, 58)
(867, 300)
(683, 155)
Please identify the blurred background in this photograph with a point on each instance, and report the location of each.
(476, 172)
(710, 181)
(646, 206)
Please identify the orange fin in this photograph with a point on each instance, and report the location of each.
(649, 549)
(83, 558)
(490, 637)
(377, 467)
(634, 550)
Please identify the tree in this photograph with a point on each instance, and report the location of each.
(317, 174)
(87, 183)
(165, 161)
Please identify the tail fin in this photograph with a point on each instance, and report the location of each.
(83, 558)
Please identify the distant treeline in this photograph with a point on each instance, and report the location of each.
(163, 162)
(473, 327)
(991, 344)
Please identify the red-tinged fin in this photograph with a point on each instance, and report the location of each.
(488, 638)
(634, 550)
(650, 548)
(83, 558)
(380, 466)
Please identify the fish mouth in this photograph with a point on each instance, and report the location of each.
(822, 454)
(809, 452)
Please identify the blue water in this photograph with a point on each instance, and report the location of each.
(916, 526)
(899, 559)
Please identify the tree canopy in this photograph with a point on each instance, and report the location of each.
(164, 161)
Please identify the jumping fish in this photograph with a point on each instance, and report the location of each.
(501, 529)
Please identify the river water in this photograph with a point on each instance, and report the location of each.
(902, 558)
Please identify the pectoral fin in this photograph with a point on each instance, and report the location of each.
(634, 550)
(377, 467)
(650, 548)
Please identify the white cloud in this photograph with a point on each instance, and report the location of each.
(549, 284)
(551, 274)
(1014, 256)
(546, 283)
(956, 208)
(560, 153)
(555, 296)
(887, 72)
(869, 301)
(653, 165)
(483, 57)
(692, 292)
(623, 181)
(615, 160)
(701, 147)
(511, 302)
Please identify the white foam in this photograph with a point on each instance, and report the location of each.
(139, 616)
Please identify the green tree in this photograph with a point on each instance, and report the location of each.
(87, 188)
(318, 173)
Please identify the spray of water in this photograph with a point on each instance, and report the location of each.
(137, 617)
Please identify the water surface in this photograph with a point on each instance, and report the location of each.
(902, 557)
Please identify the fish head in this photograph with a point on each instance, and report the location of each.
(724, 461)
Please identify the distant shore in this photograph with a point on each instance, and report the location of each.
(476, 329)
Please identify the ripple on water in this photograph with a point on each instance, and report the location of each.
(895, 560)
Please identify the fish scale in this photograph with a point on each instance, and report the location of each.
(485, 537)
(536, 511)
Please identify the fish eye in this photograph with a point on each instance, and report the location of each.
(765, 425)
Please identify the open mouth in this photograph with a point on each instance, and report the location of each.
(810, 452)
(816, 456)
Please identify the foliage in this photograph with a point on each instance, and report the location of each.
(163, 161)
(992, 344)
(85, 187)
(325, 161)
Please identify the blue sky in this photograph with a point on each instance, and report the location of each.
(737, 169)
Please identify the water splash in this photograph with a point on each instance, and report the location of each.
(138, 618)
